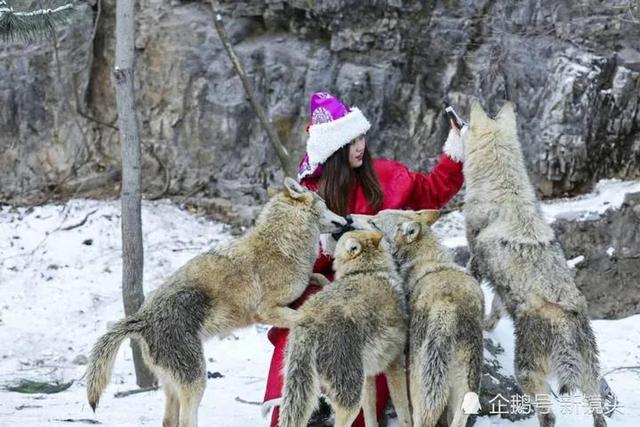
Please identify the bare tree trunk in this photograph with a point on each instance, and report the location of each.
(282, 153)
(132, 251)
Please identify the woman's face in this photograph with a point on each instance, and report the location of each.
(356, 152)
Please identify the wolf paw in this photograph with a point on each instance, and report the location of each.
(318, 280)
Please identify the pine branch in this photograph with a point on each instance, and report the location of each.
(31, 25)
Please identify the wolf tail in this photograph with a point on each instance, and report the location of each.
(568, 355)
(576, 357)
(434, 359)
(103, 356)
(301, 380)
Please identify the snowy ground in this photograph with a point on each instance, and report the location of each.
(59, 289)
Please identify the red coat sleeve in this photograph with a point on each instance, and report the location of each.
(434, 189)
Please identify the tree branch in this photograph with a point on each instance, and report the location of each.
(79, 224)
(165, 171)
(248, 402)
(622, 368)
(274, 139)
(134, 391)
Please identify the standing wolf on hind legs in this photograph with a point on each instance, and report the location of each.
(516, 251)
(251, 280)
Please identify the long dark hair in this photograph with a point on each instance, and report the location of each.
(339, 179)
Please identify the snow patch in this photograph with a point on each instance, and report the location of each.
(60, 288)
(607, 194)
(575, 261)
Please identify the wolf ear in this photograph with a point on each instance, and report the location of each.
(429, 215)
(478, 116)
(375, 238)
(294, 189)
(507, 115)
(411, 231)
(353, 247)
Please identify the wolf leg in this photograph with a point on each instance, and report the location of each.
(184, 375)
(397, 382)
(190, 396)
(534, 385)
(172, 406)
(345, 416)
(174, 346)
(532, 351)
(459, 388)
(191, 389)
(497, 310)
(281, 317)
(591, 394)
(369, 402)
(589, 381)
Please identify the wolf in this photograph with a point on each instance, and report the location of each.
(514, 249)
(351, 330)
(252, 280)
(446, 308)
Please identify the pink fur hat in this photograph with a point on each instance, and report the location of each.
(332, 126)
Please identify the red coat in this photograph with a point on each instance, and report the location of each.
(401, 189)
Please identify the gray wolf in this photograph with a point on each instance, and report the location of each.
(446, 308)
(514, 249)
(351, 330)
(252, 280)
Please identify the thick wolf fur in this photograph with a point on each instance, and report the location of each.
(252, 280)
(516, 251)
(446, 306)
(350, 331)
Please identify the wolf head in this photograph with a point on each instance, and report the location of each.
(498, 189)
(407, 233)
(387, 221)
(360, 250)
(494, 165)
(308, 206)
(485, 130)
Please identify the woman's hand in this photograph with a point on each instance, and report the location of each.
(454, 145)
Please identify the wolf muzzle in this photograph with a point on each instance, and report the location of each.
(345, 228)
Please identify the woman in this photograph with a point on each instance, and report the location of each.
(339, 167)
